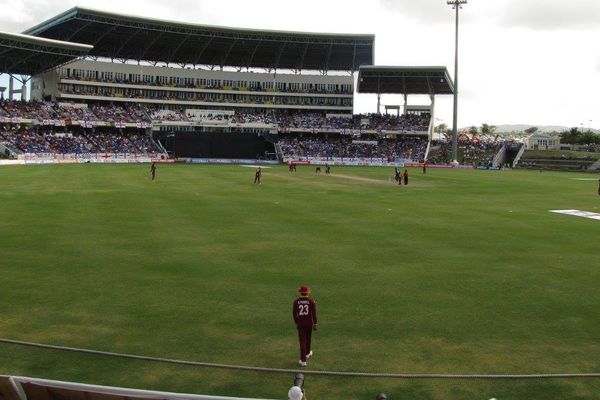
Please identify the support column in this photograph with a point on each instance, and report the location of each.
(11, 87)
(379, 103)
(432, 122)
(24, 80)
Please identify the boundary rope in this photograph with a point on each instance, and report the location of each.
(304, 371)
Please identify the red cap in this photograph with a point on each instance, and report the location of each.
(304, 290)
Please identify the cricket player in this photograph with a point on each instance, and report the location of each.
(257, 175)
(304, 311)
(153, 170)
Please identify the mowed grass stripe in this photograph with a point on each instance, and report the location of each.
(461, 271)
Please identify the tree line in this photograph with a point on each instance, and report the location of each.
(576, 136)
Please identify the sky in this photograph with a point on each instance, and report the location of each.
(520, 61)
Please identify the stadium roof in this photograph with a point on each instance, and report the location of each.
(404, 80)
(30, 55)
(127, 37)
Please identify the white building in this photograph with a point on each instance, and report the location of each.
(542, 142)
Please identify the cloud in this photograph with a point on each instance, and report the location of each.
(265, 14)
(26, 13)
(532, 14)
(432, 11)
(551, 14)
(429, 11)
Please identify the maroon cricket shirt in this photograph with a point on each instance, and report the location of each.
(304, 310)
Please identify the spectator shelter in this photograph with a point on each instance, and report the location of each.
(29, 55)
(126, 37)
(406, 81)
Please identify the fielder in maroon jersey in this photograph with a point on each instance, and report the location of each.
(153, 170)
(304, 311)
(257, 175)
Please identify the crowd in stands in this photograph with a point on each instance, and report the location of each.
(376, 122)
(46, 110)
(67, 144)
(480, 153)
(477, 152)
(25, 141)
(158, 114)
(266, 118)
(29, 109)
(124, 113)
(75, 113)
(136, 113)
(346, 147)
(30, 141)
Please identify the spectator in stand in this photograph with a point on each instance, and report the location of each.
(36, 141)
(343, 147)
(157, 114)
(476, 151)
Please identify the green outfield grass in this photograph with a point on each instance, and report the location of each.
(460, 272)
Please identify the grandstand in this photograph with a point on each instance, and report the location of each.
(145, 73)
(198, 92)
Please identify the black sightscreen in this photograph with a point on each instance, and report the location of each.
(220, 145)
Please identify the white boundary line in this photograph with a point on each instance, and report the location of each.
(577, 213)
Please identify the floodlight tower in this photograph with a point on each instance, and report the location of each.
(456, 5)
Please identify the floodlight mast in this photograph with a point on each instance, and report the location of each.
(457, 5)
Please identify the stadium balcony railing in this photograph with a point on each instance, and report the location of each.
(218, 88)
(215, 98)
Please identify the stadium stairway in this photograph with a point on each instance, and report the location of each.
(500, 157)
(595, 166)
(160, 146)
(7, 152)
(274, 140)
(510, 153)
(279, 152)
